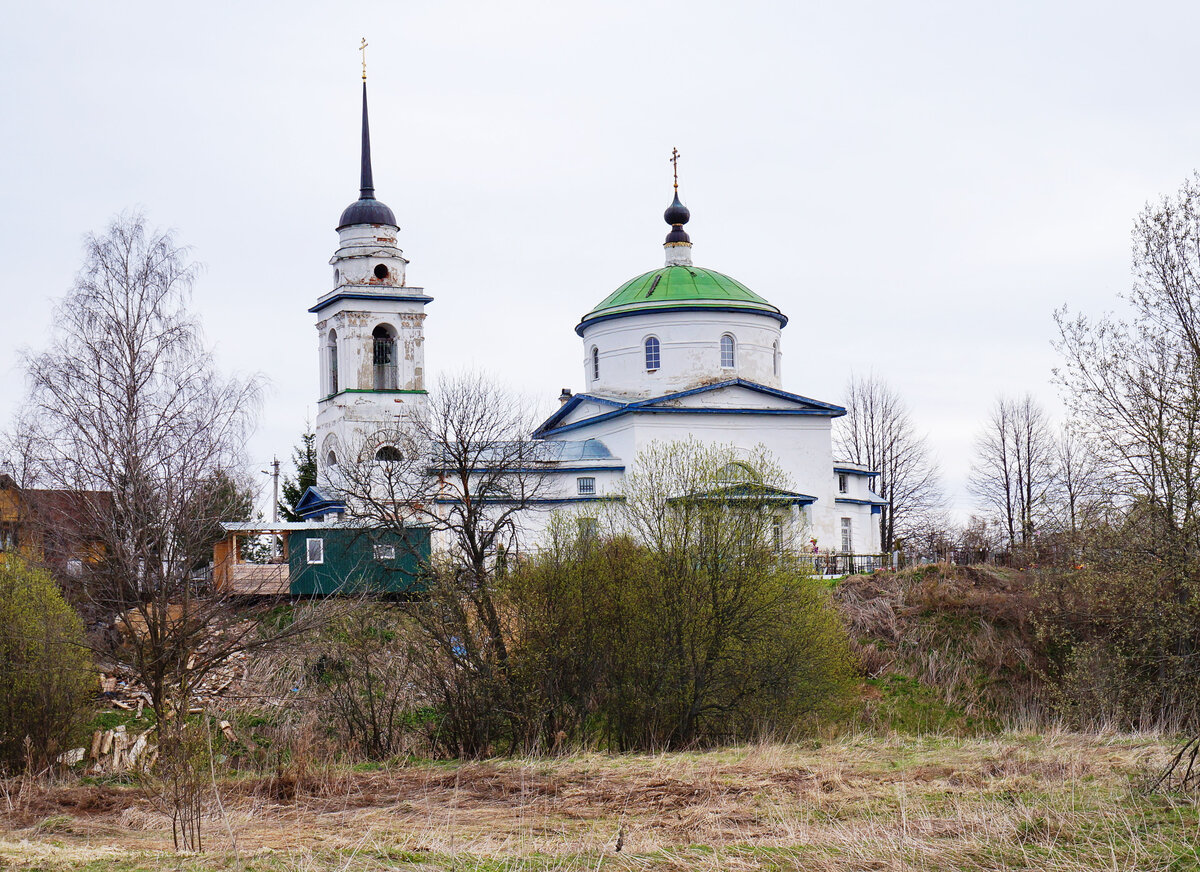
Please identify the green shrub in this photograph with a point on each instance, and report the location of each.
(672, 621)
(46, 675)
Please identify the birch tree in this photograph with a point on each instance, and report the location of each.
(127, 404)
(1014, 468)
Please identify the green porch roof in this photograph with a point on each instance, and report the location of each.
(675, 287)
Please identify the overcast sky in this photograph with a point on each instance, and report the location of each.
(918, 185)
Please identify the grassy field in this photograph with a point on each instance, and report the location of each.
(1060, 801)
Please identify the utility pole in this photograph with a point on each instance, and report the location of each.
(274, 473)
(275, 490)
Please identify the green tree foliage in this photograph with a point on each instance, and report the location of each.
(46, 677)
(672, 620)
(304, 457)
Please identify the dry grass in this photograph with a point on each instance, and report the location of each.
(1054, 802)
(963, 632)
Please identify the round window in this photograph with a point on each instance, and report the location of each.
(381, 271)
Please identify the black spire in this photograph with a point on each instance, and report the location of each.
(366, 210)
(367, 186)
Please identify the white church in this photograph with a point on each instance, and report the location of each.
(679, 351)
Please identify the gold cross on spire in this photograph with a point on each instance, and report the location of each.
(675, 162)
(363, 48)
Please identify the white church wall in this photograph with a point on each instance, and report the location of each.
(690, 351)
(357, 411)
(800, 444)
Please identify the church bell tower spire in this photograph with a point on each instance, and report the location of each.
(371, 329)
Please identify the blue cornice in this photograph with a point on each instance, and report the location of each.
(587, 322)
(846, 471)
(548, 469)
(874, 502)
(448, 501)
(351, 295)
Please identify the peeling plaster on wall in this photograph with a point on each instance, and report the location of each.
(358, 410)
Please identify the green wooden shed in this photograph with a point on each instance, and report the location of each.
(325, 558)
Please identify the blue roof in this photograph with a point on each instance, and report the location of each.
(314, 504)
(849, 470)
(588, 449)
(801, 406)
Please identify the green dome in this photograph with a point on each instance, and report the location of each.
(679, 287)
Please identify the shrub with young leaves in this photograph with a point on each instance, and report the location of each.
(673, 620)
(46, 674)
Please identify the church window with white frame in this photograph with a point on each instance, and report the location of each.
(775, 357)
(595, 363)
(847, 535)
(586, 485)
(728, 352)
(843, 483)
(653, 354)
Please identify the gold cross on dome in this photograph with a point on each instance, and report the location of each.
(675, 162)
(363, 48)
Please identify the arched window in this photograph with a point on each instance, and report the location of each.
(331, 459)
(737, 473)
(775, 357)
(653, 354)
(595, 363)
(384, 359)
(728, 355)
(332, 351)
(389, 454)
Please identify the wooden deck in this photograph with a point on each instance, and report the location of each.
(259, 579)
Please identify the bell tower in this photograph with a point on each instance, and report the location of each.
(370, 328)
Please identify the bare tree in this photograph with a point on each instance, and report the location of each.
(1014, 468)
(127, 402)
(1078, 488)
(1135, 393)
(1132, 385)
(468, 468)
(878, 431)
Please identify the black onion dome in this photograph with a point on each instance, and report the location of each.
(367, 211)
(677, 213)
